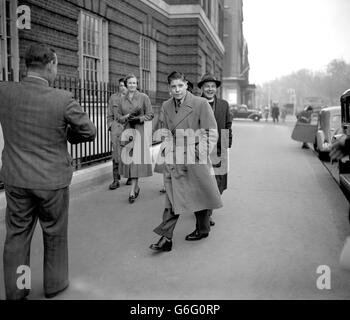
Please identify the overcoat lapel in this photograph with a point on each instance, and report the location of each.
(183, 113)
(216, 108)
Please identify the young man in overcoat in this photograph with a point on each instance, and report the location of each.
(190, 185)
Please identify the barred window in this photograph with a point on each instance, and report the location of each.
(214, 14)
(9, 58)
(93, 48)
(203, 63)
(148, 66)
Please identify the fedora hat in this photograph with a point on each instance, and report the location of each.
(208, 78)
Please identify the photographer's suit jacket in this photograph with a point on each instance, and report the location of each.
(35, 153)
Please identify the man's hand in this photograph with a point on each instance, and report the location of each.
(338, 149)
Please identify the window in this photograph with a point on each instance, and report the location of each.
(214, 14)
(148, 66)
(206, 6)
(9, 58)
(93, 58)
(214, 11)
(203, 63)
(221, 21)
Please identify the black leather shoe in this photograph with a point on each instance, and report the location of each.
(195, 235)
(128, 182)
(211, 222)
(163, 244)
(114, 185)
(54, 294)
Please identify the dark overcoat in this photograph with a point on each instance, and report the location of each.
(224, 122)
(116, 128)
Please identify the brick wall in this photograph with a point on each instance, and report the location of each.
(178, 40)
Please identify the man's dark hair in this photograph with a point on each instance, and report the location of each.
(121, 80)
(39, 55)
(309, 108)
(175, 75)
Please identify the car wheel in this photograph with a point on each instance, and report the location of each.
(256, 118)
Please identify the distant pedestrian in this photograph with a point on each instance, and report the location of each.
(116, 128)
(135, 111)
(275, 112)
(209, 86)
(190, 187)
(266, 113)
(37, 121)
(283, 114)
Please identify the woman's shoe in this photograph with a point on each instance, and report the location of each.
(131, 198)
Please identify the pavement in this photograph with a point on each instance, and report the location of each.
(283, 217)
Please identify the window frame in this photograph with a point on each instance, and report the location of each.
(101, 56)
(9, 60)
(148, 66)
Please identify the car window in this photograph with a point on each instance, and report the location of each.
(242, 109)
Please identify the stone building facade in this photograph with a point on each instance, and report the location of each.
(103, 40)
(236, 87)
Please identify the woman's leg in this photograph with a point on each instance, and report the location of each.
(133, 186)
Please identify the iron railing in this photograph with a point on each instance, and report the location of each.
(93, 97)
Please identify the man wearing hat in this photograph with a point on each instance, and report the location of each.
(209, 86)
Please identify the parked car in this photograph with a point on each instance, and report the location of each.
(329, 126)
(243, 112)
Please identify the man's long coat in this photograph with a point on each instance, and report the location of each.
(190, 187)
